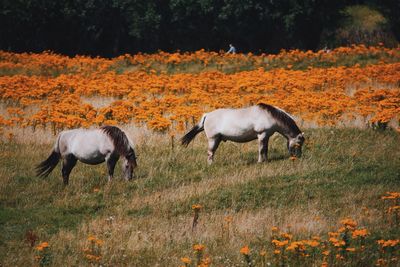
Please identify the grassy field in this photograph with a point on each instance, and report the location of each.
(148, 221)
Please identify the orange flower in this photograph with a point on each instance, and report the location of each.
(349, 223)
(186, 260)
(198, 247)
(360, 233)
(245, 250)
(196, 207)
(274, 229)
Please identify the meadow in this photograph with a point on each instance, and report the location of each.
(338, 205)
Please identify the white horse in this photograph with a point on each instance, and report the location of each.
(90, 146)
(247, 124)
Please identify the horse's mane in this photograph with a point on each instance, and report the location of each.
(284, 119)
(119, 138)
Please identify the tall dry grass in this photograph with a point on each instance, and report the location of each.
(148, 221)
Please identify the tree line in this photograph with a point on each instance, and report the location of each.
(113, 27)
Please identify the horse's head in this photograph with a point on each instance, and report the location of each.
(295, 144)
(129, 164)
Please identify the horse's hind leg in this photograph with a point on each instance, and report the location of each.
(111, 161)
(213, 144)
(68, 164)
(262, 147)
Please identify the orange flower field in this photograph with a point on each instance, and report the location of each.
(48, 90)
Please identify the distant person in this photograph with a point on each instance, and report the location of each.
(326, 49)
(232, 49)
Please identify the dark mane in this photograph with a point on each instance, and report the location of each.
(282, 117)
(120, 140)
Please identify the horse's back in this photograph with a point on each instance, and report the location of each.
(85, 143)
(237, 124)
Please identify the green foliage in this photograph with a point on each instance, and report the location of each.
(364, 25)
(110, 28)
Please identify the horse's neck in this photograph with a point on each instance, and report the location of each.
(286, 131)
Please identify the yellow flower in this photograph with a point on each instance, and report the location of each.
(351, 249)
(276, 251)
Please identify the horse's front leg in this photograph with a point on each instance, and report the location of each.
(111, 161)
(263, 139)
(68, 164)
(213, 144)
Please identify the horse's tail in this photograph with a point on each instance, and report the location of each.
(187, 138)
(44, 168)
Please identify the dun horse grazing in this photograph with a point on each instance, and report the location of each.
(90, 146)
(247, 124)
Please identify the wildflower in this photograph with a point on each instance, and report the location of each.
(274, 229)
(186, 260)
(359, 233)
(287, 236)
(279, 243)
(276, 252)
(333, 234)
(391, 195)
(351, 249)
(42, 246)
(228, 219)
(245, 250)
(313, 243)
(196, 207)
(198, 247)
(339, 257)
(380, 262)
(349, 223)
(388, 243)
(393, 209)
(316, 238)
